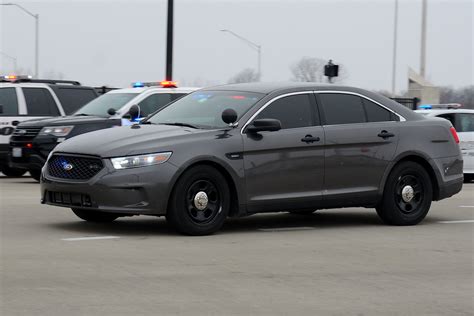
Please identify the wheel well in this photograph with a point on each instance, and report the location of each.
(234, 198)
(426, 165)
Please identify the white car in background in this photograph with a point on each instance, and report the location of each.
(463, 121)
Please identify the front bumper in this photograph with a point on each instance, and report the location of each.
(133, 191)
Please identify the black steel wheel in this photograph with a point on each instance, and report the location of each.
(407, 195)
(12, 172)
(200, 201)
(95, 216)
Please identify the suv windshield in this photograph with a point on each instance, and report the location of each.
(102, 104)
(203, 109)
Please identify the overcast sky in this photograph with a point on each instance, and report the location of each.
(116, 42)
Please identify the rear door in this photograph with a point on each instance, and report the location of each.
(361, 140)
(282, 169)
(10, 113)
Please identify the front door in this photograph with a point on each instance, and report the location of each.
(286, 167)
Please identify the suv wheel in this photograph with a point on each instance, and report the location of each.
(12, 172)
(407, 196)
(200, 201)
(35, 174)
(95, 216)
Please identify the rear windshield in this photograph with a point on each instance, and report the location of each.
(102, 104)
(73, 98)
(8, 102)
(204, 109)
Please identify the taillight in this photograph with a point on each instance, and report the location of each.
(455, 134)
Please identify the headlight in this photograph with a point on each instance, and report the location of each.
(140, 161)
(58, 131)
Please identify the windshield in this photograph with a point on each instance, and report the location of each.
(102, 104)
(203, 109)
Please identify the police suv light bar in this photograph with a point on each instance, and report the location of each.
(164, 84)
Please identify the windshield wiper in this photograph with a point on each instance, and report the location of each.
(181, 124)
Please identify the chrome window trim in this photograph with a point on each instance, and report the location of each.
(402, 119)
(270, 102)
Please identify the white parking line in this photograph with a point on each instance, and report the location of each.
(90, 238)
(467, 206)
(457, 222)
(284, 229)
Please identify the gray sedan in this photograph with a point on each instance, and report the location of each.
(240, 149)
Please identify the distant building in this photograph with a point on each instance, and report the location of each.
(419, 87)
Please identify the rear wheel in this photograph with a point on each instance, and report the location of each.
(200, 201)
(95, 216)
(35, 174)
(407, 196)
(12, 172)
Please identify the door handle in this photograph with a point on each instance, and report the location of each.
(310, 139)
(384, 134)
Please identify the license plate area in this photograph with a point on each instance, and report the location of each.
(17, 152)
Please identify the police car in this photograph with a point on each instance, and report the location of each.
(463, 121)
(23, 98)
(32, 141)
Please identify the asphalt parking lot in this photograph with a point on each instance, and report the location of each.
(335, 262)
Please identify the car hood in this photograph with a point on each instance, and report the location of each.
(62, 120)
(128, 140)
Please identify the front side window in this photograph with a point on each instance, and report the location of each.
(73, 98)
(204, 109)
(292, 111)
(40, 102)
(8, 102)
(341, 108)
(102, 104)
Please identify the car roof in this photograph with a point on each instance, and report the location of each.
(268, 87)
(158, 89)
(435, 112)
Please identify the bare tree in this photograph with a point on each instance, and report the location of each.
(311, 69)
(246, 75)
(464, 96)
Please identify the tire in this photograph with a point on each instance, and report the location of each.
(35, 174)
(304, 212)
(398, 209)
(193, 216)
(468, 177)
(95, 216)
(12, 172)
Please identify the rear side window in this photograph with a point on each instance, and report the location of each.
(376, 113)
(8, 102)
(342, 108)
(39, 102)
(293, 111)
(72, 99)
(464, 122)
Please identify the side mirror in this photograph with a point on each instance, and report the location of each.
(229, 116)
(264, 125)
(134, 112)
(111, 111)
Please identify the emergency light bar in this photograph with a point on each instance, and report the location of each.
(15, 77)
(164, 84)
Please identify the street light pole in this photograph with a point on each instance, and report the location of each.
(254, 46)
(394, 66)
(15, 65)
(36, 17)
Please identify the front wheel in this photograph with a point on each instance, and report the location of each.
(95, 216)
(200, 201)
(407, 195)
(12, 172)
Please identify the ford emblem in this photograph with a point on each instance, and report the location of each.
(68, 167)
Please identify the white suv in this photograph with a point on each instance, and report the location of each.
(463, 121)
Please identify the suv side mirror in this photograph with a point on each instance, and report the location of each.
(133, 113)
(264, 125)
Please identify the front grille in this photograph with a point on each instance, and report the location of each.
(25, 133)
(74, 167)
